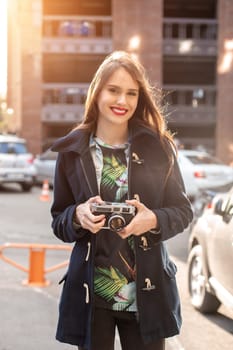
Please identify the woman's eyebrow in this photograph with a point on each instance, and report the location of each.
(119, 87)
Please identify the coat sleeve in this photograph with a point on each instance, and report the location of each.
(175, 213)
(63, 206)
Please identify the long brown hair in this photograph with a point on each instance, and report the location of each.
(148, 111)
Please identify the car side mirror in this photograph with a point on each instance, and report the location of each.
(218, 207)
(226, 213)
(227, 216)
(230, 210)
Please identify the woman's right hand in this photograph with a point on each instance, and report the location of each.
(86, 219)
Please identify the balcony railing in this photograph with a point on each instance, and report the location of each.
(62, 113)
(190, 105)
(63, 102)
(186, 104)
(201, 143)
(77, 34)
(184, 36)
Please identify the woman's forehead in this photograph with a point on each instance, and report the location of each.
(121, 76)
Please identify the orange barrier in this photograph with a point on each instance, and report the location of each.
(36, 270)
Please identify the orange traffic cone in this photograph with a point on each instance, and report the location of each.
(45, 191)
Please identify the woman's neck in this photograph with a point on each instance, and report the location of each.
(113, 136)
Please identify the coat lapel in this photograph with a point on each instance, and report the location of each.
(89, 174)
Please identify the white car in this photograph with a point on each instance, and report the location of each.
(189, 182)
(201, 171)
(16, 163)
(210, 260)
(45, 167)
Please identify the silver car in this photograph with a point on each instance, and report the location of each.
(45, 167)
(201, 172)
(16, 163)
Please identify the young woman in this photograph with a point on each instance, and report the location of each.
(121, 153)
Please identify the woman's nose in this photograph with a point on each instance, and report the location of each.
(121, 99)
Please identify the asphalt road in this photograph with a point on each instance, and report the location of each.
(29, 314)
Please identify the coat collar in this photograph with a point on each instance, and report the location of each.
(78, 140)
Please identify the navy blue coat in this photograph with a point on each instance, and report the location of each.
(161, 190)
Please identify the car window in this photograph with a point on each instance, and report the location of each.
(203, 159)
(13, 148)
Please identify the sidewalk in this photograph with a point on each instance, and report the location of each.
(29, 314)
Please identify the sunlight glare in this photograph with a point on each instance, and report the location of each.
(227, 60)
(3, 41)
(185, 46)
(134, 43)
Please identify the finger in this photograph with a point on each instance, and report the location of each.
(96, 218)
(135, 203)
(88, 218)
(96, 199)
(124, 234)
(94, 228)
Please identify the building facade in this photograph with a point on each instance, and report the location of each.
(55, 46)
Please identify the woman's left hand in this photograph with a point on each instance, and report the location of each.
(144, 220)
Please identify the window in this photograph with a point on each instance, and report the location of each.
(12, 147)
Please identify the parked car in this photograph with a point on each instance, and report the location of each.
(201, 171)
(189, 181)
(45, 167)
(210, 260)
(16, 163)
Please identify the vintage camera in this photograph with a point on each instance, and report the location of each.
(118, 215)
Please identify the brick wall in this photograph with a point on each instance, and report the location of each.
(143, 19)
(31, 78)
(224, 132)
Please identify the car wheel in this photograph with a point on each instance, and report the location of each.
(26, 187)
(201, 299)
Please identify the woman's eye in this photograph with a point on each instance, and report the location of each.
(132, 93)
(113, 90)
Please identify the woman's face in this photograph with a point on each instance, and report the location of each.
(118, 99)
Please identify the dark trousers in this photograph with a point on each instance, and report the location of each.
(103, 332)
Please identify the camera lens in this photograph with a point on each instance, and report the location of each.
(116, 222)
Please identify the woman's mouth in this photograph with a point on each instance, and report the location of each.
(119, 110)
